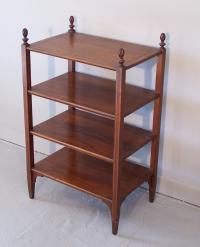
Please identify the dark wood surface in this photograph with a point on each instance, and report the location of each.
(71, 67)
(90, 134)
(101, 52)
(92, 93)
(93, 160)
(119, 133)
(157, 118)
(28, 118)
(89, 174)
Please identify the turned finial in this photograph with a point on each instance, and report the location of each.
(121, 56)
(162, 40)
(71, 26)
(25, 36)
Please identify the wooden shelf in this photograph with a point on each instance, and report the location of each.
(87, 91)
(94, 50)
(90, 134)
(95, 137)
(89, 174)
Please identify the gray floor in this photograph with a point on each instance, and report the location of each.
(63, 217)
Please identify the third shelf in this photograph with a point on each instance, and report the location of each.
(91, 134)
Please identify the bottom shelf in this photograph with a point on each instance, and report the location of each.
(89, 174)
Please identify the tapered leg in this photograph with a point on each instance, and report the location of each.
(152, 188)
(30, 163)
(154, 163)
(31, 190)
(115, 218)
(157, 121)
(28, 121)
(118, 142)
(31, 187)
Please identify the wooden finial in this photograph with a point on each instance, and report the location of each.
(71, 26)
(121, 56)
(162, 40)
(25, 36)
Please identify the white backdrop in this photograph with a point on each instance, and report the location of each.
(132, 20)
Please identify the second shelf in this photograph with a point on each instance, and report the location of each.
(92, 93)
(91, 134)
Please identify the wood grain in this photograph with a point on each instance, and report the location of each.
(96, 139)
(119, 134)
(92, 93)
(157, 119)
(28, 118)
(93, 50)
(89, 174)
(90, 134)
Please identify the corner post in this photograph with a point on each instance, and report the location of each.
(118, 141)
(28, 118)
(157, 118)
(71, 63)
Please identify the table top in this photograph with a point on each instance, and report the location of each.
(94, 50)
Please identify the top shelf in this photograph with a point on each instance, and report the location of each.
(93, 50)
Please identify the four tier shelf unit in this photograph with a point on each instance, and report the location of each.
(96, 140)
